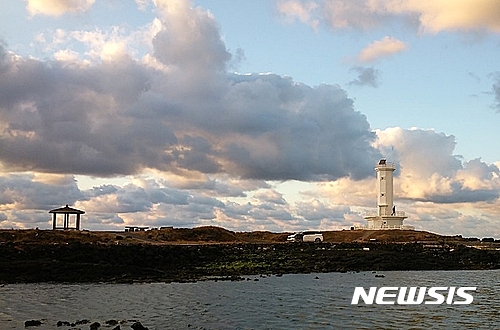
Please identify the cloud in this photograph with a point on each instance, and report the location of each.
(132, 198)
(428, 178)
(142, 4)
(366, 77)
(430, 16)
(29, 191)
(337, 14)
(355, 14)
(57, 7)
(26, 198)
(314, 211)
(121, 116)
(430, 172)
(189, 40)
(270, 196)
(496, 90)
(149, 202)
(301, 11)
(388, 46)
(154, 202)
(443, 15)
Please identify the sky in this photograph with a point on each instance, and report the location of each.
(250, 115)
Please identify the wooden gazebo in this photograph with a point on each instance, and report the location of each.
(70, 218)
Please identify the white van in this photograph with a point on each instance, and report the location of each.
(306, 236)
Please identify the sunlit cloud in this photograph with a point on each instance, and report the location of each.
(444, 15)
(58, 7)
(432, 16)
(387, 46)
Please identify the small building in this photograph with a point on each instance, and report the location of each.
(66, 218)
(135, 228)
(386, 216)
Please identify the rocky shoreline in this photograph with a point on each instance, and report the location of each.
(78, 262)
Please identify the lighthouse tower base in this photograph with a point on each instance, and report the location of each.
(387, 222)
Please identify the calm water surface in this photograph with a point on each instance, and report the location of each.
(309, 301)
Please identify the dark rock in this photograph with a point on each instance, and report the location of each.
(111, 322)
(95, 326)
(63, 323)
(138, 326)
(32, 323)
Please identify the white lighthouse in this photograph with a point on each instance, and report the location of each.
(386, 217)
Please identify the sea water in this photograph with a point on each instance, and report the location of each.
(304, 301)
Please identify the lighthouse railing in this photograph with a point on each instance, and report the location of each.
(375, 214)
(384, 227)
(385, 164)
(371, 214)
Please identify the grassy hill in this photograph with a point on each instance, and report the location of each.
(211, 234)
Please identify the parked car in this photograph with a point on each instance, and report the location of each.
(306, 236)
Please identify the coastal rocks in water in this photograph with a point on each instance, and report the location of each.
(63, 323)
(69, 324)
(113, 322)
(138, 326)
(32, 323)
(95, 326)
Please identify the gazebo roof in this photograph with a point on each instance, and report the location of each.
(67, 209)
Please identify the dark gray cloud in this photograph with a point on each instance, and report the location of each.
(180, 112)
(25, 192)
(26, 199)
(101, 190)
(121, 117)
(461, 195)
(63, 119)
(366, 76)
